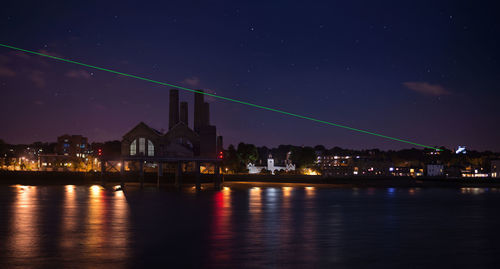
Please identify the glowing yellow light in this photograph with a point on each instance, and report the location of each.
(255, 189)
(22, 187)
(95, 188)
(70, 188)
(226, 188)
(310, 172)
(287, 191)
(309, 188)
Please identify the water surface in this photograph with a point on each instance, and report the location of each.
(272, 227)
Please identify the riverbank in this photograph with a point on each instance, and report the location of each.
(77, 178)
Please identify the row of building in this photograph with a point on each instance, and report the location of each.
(340, 166)
(179, 143)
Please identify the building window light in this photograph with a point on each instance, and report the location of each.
(133, 148)
(142, 146)
(151, 148)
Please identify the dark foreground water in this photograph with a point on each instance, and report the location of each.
(280, 227)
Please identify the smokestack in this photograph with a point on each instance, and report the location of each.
(184, 112)
(198, 111)
(173, 109)
(206, 114)
(220, 146)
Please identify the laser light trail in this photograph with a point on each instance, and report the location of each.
(222, 97)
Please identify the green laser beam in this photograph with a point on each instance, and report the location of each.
(222, 97)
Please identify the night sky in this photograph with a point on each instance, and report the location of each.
(426, 71)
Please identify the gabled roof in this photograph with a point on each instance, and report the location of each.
(143, 126)
(182, 130)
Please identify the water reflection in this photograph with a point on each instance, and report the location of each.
(255, 204)
(310, 191)
(474, 191)
(309, 222)
(286, 218)
(106, 226)
(272, 227)
(222, 233)
(24, 232)
(74, 223)
(70, 217)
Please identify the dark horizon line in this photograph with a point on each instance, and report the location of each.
(276, 146)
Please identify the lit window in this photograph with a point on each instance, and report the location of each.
(142, 146)
(133, 148)
(151, 148)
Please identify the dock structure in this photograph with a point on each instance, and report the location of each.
(136, 167)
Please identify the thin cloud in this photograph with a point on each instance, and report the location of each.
(44, 51)
(6, 72)
(78, 74)
(20, 54)
(37, 78)
(426, 88)
(191, 82)
(4, 59)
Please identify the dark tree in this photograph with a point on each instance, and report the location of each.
(303, 157)
(247, 153)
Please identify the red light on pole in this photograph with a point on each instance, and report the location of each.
(99, 152)
(221, 155)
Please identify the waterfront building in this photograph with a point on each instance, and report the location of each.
(73, 146)
(471, 171)
(180, 141)
(337, 165)
(495, 168)
(57, 162)
(271, 166)
(434, 170)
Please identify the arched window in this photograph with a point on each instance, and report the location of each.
(133, 148)
(142, 146)
(151, 148)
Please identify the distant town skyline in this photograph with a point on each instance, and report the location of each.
(424, 72)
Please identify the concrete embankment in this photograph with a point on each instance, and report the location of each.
(76, 178)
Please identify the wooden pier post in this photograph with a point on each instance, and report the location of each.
(122, 174)
(103, 169)
(197, 175)
(160, 174)
(141, 173)
(178, 175)
(217, 184)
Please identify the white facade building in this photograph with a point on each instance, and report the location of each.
(434, 170)
(253, 169)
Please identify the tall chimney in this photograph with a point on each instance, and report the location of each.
(173, 109)
(184, 113)
(206, 114)
(198, 111)
(220, 145)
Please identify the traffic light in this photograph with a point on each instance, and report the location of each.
(221, 155)
(99, 152)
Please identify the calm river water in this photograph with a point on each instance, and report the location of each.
(271, 227)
